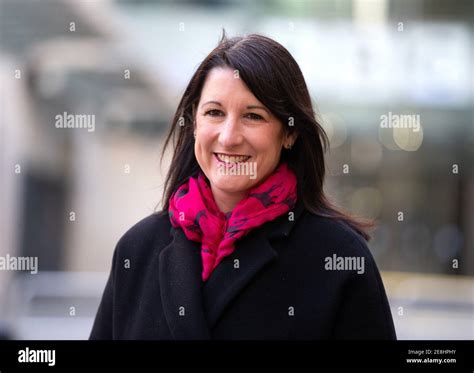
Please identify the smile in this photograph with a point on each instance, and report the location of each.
(227, 158)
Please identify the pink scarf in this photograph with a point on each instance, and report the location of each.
(193, 209)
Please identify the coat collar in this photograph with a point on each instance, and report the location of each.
(191, 307)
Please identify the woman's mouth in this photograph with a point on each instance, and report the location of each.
(231, 158)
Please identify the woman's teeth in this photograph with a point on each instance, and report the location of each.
(232, 158)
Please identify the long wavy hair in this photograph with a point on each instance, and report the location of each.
(275, 79)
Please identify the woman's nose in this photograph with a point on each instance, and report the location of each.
(230, 134)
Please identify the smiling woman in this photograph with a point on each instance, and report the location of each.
(239, 256)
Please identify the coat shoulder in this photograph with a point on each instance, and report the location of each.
(145, 234)
(332, 235)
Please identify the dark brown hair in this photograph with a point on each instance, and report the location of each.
(275, 79)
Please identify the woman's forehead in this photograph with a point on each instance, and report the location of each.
(224, 86)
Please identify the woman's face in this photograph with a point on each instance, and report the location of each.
(238, 140)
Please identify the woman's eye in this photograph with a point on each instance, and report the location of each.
(254, 116)
(214, 113)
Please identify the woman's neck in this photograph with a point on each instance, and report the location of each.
(227, 201)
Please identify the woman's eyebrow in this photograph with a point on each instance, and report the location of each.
(250, 107)
(211, 102)
(258, 107)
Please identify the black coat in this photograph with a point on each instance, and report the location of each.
(275, 285)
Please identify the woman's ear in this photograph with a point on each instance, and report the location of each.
(289, 140)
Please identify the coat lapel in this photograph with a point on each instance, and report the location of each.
(182, 288)
(252, 254)
(180, 270)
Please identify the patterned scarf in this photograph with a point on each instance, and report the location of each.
(192, 208)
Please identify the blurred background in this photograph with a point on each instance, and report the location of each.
(68, 194)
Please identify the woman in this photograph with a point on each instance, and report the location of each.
(247, 246)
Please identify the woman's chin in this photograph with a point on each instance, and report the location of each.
(231, 183)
